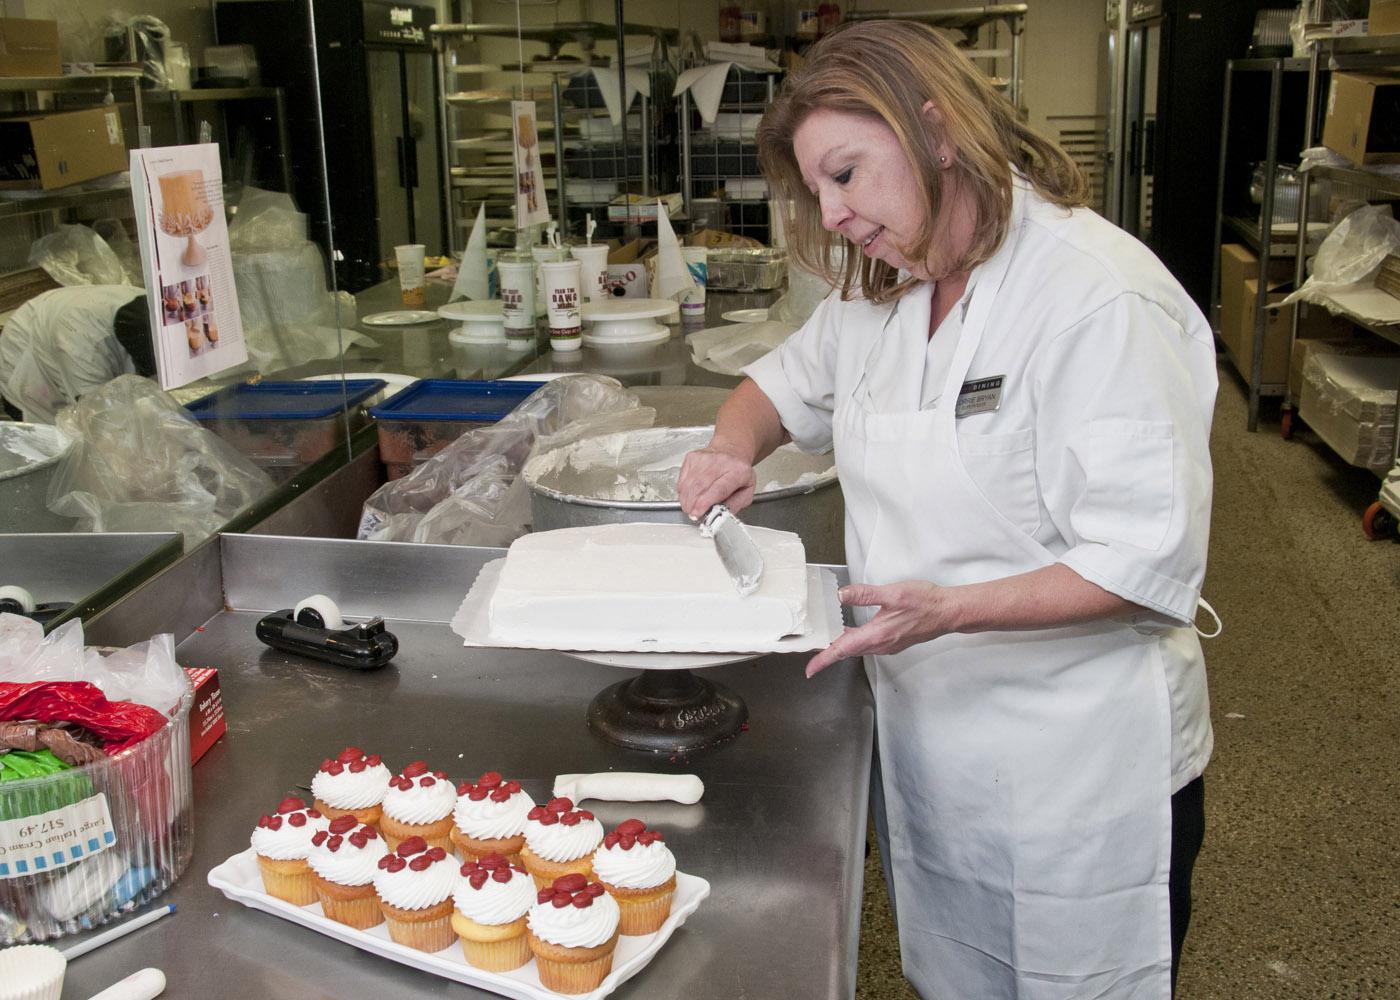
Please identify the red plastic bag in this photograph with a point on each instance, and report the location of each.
(120, 724)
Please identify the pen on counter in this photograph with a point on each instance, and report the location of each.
(121, 930)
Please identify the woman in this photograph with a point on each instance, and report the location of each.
(1019, 396)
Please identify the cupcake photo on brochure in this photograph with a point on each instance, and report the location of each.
(471, 881)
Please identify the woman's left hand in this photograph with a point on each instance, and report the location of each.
(910, 612)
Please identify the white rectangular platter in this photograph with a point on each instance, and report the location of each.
(473, 622)
(238, 878)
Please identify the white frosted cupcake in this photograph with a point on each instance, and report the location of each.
(414, 885)
(639, 871)
(418, 803)
(559, 840)
(491, 900)
(282, 842)
(344, 860)
(351, 784)
(573, 930)
(489, 818)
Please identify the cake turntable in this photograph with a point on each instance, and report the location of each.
(666, 708)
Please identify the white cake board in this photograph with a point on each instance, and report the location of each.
(473, 623)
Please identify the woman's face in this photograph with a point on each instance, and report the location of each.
(864, 183)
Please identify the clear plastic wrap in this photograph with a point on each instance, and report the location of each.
(725, 350)
(76, 255)
(1351, 254)
(289, 316)
(139, 462)
(471, 492)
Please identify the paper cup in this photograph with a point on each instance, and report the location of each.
(517, 277)
(412, 281)
(593, 270)
(561, 284)
(31, 972)
(542, 255)
(693, 301)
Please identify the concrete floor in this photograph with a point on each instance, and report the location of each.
(1297, 890)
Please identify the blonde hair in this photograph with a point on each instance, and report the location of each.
(888, 71)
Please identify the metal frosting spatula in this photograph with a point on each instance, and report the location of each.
(737, 551)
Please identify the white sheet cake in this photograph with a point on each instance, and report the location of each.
(641, 582)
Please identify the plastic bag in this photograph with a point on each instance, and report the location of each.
(76, 255)
(471, 493)
(289, 316)
(148, 34)
(1351, 254)
(140, 462)
(147, 672)
(121, 724)
(727, 349)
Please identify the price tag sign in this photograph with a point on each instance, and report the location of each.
(48, 841)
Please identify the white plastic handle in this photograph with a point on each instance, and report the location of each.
(143, 985)
(323, 606)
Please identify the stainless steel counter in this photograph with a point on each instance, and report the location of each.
(779, 833)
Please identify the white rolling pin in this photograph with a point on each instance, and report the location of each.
(630, 786)
(143, 985)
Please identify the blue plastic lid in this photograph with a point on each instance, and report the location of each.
(454, 399)
(283, 400)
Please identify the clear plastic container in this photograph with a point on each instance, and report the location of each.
(80, 847)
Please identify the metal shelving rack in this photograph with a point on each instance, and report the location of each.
(717, 163)
(1257, 234)
(479, 161)
(1361, 52)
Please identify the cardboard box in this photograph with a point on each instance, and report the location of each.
(47, 150)
(1349, 402)
(1384, 18)
(1303, 349)
(1239, 288)
(207, 716)
(1363, 118)
(29, 48)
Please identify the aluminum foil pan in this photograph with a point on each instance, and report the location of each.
(743, 269)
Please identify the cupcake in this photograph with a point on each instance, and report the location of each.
(344, 860)
(283, 842)
(559, 840)
(414, 885)
(572, 931)
(491, 900)
(418, 803)
(352, 784)
(490, 818)
(639, 871)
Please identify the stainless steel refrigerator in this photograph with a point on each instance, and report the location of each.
(374, 66)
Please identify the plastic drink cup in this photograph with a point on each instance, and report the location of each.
(413, 284)
(693, 301)
(516, 272)
(561, 283)
(542, 255)
(593, 265)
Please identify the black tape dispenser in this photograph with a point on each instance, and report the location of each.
(315, 629)
(18, 601)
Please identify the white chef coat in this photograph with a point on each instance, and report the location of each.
(1097, 457)
(60, 345)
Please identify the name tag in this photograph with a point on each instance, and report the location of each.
(979, 395)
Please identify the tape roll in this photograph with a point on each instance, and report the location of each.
(318, 611)
(19, 596)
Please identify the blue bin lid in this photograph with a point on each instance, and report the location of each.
(454, 399)
(283, 400)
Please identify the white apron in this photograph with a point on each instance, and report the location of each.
(1026, 775)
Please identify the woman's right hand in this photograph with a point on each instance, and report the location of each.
(713, 475)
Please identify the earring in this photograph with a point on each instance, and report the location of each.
(943, 159)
